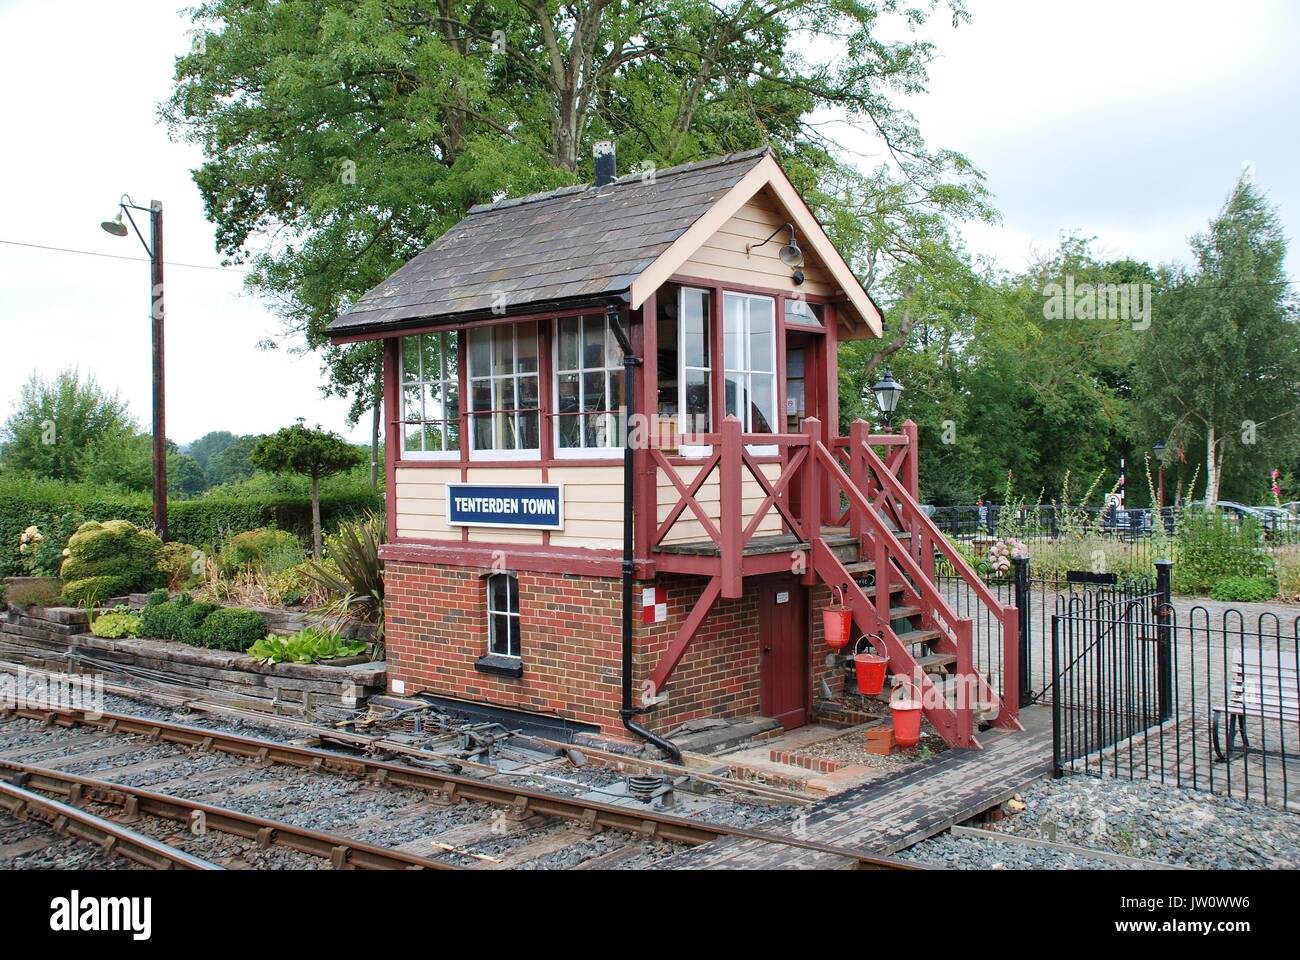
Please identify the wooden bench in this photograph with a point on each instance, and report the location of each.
(1261, 685)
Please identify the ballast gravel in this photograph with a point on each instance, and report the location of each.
(1138, 819)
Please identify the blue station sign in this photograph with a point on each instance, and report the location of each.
(533, 506)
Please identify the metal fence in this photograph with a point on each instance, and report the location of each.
(1204, 700)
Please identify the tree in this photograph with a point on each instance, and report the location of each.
(356, 134)
(1220, 366)
(209, 445)
(233, 463)
(59, 424)
(311, 453)
(184, 475)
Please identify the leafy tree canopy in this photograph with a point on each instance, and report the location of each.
(59, 425)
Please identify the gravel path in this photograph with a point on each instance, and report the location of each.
(1135, 819)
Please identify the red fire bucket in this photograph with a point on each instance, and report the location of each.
(871, 673)
(906, 713)
(837, 624)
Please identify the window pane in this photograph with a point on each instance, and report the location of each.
(763, 402)
(451, 431)
(593, 342)
(503, 350)
(697, 401)
(514, 623)
(512, 586)
(529, 436)
(507, 436)
(733, 331)
(593, 391)
(481, 424)
(450, 353)
(452, 404)
(410, 359)
(593, 430)
(481, 394)
(735, 388)
(412, 409)
(411, 438)
(503, 394)
(801, 311)
(570, 331)
(666, 309)
(527, 393)
(569, 432)
(500, 634)
(433, 405)
(430, 356)
(526, 347)
(762, 335)
(695, 309)
(567, 393)
(615, 389)
(499, 593)
(480, 351)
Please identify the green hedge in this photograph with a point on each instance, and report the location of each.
(59, 508)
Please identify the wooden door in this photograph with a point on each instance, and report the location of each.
(783, 639)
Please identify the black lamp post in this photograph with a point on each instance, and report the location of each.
(155, 250)
(887, 391)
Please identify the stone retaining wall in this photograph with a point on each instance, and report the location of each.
(49, 635)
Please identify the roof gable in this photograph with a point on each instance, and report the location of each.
(586, 242)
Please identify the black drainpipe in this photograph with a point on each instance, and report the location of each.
(631, 361)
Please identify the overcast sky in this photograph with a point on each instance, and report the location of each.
(1128, 121)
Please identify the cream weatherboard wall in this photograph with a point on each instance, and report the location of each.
(722, 256)
(593, 504)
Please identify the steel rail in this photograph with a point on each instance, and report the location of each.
(112, 838)
(446, 789)
(343, 853)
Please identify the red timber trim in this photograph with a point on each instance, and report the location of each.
(682, 640)
(392, 438)
(536, 557)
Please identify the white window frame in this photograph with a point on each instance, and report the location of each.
(509, 614)
(614, 417)
(694, 450)
(467, 402)
(748, 371)
(444, 378)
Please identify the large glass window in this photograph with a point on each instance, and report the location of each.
(749, 352)
(504, 411)
(588, 384)
(503, 615)
(685, 361)
(430, 394)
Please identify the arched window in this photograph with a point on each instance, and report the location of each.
(503, 615)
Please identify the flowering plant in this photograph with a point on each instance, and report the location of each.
(1003, 552)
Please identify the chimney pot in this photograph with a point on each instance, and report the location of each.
(606, 164)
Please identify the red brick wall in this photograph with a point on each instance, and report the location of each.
(571, 633)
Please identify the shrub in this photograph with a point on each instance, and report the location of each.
(176, 563)
(306, 646)
(117, 555)
(58, 508)
(161, 617)
(88, 591)
(190, 620)
(37, 593)
(117, 623)
(1244, 590)
(1286, 560)
(253, 549)
(232, 628)
(1208, 548)
(357, 582)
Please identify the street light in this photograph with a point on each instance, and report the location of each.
(887, 391)
(153, 247)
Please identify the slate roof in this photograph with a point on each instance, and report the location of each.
(569, 244)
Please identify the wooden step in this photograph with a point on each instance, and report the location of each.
(919, 636)
(936, 662)
(860, 567)
(903, 612)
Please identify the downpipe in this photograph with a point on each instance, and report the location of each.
(629, 712)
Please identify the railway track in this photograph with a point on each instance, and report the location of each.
(380, 814)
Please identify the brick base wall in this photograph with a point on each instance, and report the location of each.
(571, 645)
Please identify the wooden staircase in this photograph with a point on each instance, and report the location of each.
(909, 621)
